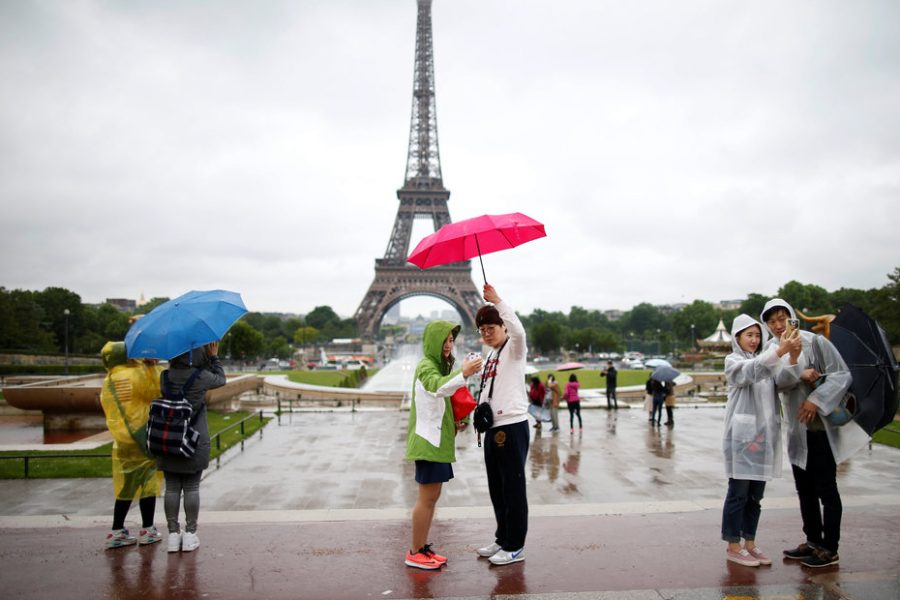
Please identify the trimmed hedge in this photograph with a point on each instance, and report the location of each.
(50, 369)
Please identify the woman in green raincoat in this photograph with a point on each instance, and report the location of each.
(431, 432)
(128, 389)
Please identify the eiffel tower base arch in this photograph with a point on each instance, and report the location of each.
(451, 283)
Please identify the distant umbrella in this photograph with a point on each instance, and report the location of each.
(657, 362)
(570, 366)
(665, 373)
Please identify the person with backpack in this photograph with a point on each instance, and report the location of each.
(431, 431)
(536, 399)
(190, 374)
(128, 389)
(810, 390)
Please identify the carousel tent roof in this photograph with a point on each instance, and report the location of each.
(719, 336)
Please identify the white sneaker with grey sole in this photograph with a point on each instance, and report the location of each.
(190, 542)
(489, 551)
(505, 557)
(174, 541)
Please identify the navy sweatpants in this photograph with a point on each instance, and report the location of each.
(505, 449)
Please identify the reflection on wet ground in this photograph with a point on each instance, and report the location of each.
(319, 507)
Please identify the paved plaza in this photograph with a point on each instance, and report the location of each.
(318, 507)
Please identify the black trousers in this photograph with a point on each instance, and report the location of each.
(505, 450)
(818, 483)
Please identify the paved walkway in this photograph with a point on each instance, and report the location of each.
(318, 508)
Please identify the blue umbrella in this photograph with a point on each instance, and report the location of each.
(664, 373)
(185, 323)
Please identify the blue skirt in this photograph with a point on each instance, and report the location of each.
(433, 472)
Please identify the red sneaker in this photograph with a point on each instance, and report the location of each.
(422, 561)
(427, 551)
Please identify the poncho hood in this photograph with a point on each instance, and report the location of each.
(742, 322)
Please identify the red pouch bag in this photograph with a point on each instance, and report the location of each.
(463, 403)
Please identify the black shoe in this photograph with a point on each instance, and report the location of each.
(822, 558)
(802, 551)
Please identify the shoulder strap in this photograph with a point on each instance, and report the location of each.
(166, 390)
(493, 377)
(131, 432)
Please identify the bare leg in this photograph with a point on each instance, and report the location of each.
(423, 513)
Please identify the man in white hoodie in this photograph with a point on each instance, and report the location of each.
(810, 391)
(506, 442)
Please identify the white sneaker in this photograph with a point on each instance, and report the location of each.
(504, 557)
(489, 551)
(190, 542)
(174, 541)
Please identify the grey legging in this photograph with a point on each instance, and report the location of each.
(189, 484)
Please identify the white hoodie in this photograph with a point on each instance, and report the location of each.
(752, 438)
(844, 441)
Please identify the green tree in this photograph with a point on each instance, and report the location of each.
(306, 335)
(645, 318)
(55, 301)
(321, 317)
(278, 347)
(753, 305)
(811, 299)
(22, 321)
(702, 315)
(243, 342)
(150, 305)
(547, 336)
(886, 307)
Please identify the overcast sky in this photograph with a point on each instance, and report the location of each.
(674, 150)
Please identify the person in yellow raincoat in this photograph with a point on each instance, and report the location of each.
(128, 389)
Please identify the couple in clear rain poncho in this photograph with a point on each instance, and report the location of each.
(772, 358)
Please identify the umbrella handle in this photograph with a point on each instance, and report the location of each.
(478, 246)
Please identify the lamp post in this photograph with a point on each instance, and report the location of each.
(66, 338)
(693, 339)
(657, 342)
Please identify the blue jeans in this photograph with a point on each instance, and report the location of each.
(740, 515)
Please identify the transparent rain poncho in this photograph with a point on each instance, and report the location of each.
(752, 439)
(128, 389)
(844, 441)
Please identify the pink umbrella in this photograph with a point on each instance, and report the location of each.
(462, 240)
(570, 366)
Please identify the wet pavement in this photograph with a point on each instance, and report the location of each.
(318, 507)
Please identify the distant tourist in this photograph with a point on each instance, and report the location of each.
(128, 389)
(573, 401)
(552, 401)
(752, 438)
(182, 473)
(611, 374)
(431, 432)
(536, 399)
(506, 443)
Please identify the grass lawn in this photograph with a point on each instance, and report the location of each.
(590, 378)
(101, 466)
(889, 436)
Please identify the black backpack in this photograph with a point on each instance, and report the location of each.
(170, 430)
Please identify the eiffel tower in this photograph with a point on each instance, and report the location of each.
(422, 196)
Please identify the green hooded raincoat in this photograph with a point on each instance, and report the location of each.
(431, 428)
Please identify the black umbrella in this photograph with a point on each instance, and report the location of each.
(864, 347)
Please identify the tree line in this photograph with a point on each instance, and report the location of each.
(36, 322)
